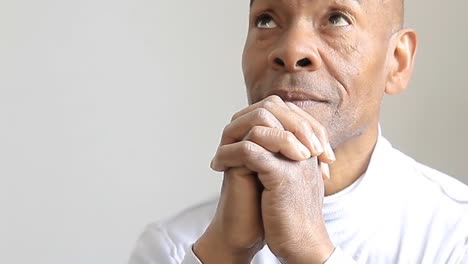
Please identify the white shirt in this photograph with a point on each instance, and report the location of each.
(400, 211)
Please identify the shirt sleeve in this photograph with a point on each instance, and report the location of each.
(340, 257)
(155, 246)
(464, 258)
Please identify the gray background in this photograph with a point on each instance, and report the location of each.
(110, 112)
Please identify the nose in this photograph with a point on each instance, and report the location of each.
(296, 51)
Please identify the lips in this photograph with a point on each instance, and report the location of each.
(299, 97)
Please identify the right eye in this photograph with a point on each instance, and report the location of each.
(265, 21)
(339, 20)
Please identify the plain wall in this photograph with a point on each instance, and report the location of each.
(110, 112)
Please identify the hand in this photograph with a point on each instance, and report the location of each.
(235, 234)
(276, 141)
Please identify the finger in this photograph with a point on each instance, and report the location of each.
(325, 169)
(274, 99)
(272, 171)
(238, 128)
(241, 184)
(243, 154)
(279, 141)
(291, 121)
(328, 156)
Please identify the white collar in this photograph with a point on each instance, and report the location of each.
(335, 205)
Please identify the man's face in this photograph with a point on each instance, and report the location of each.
(327, 56)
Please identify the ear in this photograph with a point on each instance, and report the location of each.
(401, 60)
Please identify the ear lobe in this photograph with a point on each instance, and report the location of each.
(401, 61)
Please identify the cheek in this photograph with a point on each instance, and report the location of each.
(254, 63)
(250, 73)
(354, 60)
(371, 83)
(359, 67)
(247, 69)
(248, 64)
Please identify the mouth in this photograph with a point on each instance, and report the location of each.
(299, 97)
(305, 103)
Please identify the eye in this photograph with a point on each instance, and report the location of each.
(265, 21)
(339, 20)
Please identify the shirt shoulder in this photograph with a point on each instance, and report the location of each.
(168, 240)
(438, 196)
(190, 222)
(424, 180)
(449, 186)
(421, 208)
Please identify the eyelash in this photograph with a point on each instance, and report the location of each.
(261, 17)
(345, 16)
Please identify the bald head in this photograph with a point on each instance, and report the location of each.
(395, 13)
(400, 12)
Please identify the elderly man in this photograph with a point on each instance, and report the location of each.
(307, 176)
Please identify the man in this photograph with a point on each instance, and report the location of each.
(307, 176)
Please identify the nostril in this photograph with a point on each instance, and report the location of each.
(303, 62)
(279, 61)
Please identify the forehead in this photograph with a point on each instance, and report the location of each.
(295, 7)
(378, 10)
(303, 5)
(373, 15)
(304, 2)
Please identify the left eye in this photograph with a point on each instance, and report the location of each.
(338, 20)
(265, 21)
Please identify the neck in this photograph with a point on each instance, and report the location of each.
(352, 160)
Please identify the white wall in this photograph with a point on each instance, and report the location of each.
(110, 112)
(430, 120)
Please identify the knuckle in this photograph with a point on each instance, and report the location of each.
(264, 105)
(227, 136)
(289, 137)
(268, 104)
(226, 129)
(303, 125)
(267, 118)
(274, 99)
(236, 115)
(262, 114)
(321, 132)
(248, 148)
(255, 132)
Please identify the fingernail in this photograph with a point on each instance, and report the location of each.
(325, 170)
(304, 151)
(330, 152)
(316, 143)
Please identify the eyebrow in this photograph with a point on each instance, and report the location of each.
(358, 1)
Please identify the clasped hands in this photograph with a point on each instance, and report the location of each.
(275, 158)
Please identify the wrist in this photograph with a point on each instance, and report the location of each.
(210, 248)
(314, 254)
